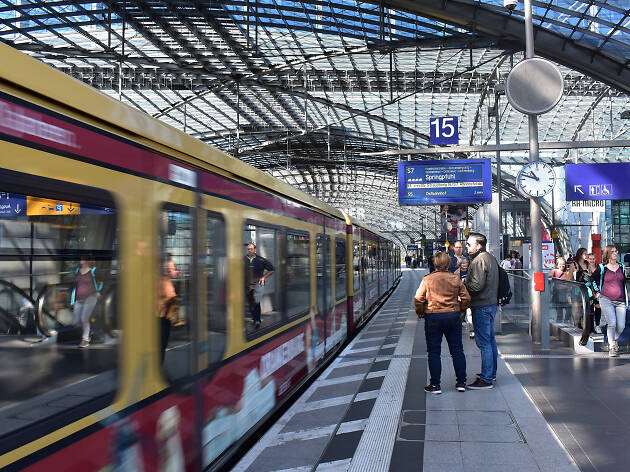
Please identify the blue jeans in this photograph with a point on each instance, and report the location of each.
(483, 321)
(449, 325)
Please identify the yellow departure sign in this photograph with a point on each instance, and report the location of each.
(44, 206)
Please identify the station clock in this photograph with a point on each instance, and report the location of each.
(536, 179)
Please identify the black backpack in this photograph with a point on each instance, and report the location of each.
(504, 294)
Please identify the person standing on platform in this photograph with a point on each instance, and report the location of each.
(482, 283)
(457, 257)
(507, 263)
(255, 267)
(440, 299)
(612, 294)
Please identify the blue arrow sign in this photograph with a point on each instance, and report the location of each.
(12, 204)
(597, 181)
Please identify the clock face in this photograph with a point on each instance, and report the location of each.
(536, 179)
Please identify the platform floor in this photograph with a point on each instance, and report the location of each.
(368, 411)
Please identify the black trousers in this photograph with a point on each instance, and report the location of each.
(593, 317)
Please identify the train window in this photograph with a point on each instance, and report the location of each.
(58, 317)
(298, 273)
(372, 276)
(215, 278)
(340, 269)
(356, 258)
(263, 296)
(324, 273)
(174, 297)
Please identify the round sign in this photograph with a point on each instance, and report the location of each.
(534, 86)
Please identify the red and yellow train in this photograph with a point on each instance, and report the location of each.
(84, 177)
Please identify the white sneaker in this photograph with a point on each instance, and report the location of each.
(598, 330)
(613, 351)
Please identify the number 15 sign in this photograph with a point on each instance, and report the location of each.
(444, 130)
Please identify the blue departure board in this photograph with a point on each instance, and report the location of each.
(436, 182)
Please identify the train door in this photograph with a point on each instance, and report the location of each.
(178, 317)
(324, 278)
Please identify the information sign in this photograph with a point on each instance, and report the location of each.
(443, 130)
(44, 206)
(12, 204)
(597, 181)
(412, 247)
(588, 206)
(436, 182)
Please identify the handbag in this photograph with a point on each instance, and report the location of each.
(259, 291)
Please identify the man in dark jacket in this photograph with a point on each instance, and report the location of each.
(255, 276)
(482, 283)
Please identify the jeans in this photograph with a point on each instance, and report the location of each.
(450, 326)
(483, 321)
(254, 308)
(82, 311)
(615, 313)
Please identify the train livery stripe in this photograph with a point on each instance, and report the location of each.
(54, 133)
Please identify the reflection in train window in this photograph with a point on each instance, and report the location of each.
(298, 274)
(356, 258)
(215, 278)
(58, 327)
(262, 298)
(324, 273)
(174, 311)
(340, 269)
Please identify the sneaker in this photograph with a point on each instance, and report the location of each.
(257, 324)
(471, 335)
(480, 384)
(84, 343)
(598, 330)
(460, 387)
(494, 377)
(433, 389)
(613, 351)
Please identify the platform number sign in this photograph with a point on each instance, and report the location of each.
(444, 130)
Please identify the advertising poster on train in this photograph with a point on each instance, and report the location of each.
(549, 258)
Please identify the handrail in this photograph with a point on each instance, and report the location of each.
(41, 310)
(20, 292)
(575, 285)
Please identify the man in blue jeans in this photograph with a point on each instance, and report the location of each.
(482, 283)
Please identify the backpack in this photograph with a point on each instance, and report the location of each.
(504, 294)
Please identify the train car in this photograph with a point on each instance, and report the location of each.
(128, 329)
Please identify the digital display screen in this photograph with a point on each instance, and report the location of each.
(436, 182)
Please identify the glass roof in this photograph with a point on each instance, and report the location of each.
(302, 89)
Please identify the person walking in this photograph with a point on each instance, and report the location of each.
(597, 311)
(440, 299)
(85, 296)
(579, 271)
(611, 291)
(482, 283)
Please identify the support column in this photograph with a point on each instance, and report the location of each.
(534, 204)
